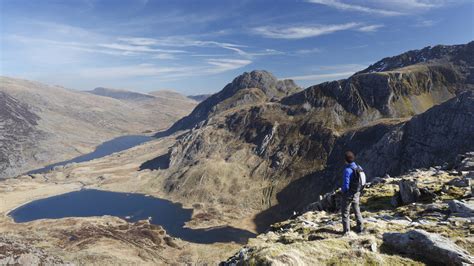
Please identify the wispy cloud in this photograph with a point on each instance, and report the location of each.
(370, 28)
(136, 48)
(425, 23)
(308, 51)
(354, 7)
(211, 66)
(222, 65)
(299, 32)
(383, 8)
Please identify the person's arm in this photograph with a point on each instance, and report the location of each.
(346, 178)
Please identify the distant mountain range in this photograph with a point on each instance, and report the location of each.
(274, 146)
(41, 124)
(120, 94)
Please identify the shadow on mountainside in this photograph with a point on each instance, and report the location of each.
(294, 197)
(160, 162)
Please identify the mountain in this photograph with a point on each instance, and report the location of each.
(42, 124)
(169, 94)
(265, 145)
(199, 97)
(460, 55)
(120, 94)
(265, 87)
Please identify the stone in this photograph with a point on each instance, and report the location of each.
(466, 162)
(461, 208)
(431, 248)
(408, 193)
(459, 182)
(377, 180)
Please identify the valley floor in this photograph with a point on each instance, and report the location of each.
(99, 240)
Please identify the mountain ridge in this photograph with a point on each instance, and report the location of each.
(281, 146)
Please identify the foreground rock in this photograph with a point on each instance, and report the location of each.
(429, 247)
(421, 232)
(461, 208)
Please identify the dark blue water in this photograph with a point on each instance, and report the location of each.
(106, 148)
(87, 203)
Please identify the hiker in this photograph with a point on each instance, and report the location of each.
(352, 184)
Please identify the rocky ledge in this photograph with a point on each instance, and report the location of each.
(423, 217)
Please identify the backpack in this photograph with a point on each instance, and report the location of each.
(358, 180)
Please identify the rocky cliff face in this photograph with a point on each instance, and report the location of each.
(461, 55)
(19, 134)
(280, 154)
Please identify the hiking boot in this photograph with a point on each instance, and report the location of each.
(359, 230)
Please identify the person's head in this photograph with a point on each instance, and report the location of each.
(349, 157)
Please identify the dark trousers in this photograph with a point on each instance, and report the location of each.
(349, 199)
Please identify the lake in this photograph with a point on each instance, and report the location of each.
(131, 207)
(115, 145)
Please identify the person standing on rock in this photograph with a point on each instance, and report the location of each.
(353, 179)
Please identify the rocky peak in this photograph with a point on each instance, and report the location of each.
(430, 53)
(261, 80)
(395, 87)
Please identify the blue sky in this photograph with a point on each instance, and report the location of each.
(199, 46)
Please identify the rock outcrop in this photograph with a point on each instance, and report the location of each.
(18, 133)
(429, 247)
(416, 234)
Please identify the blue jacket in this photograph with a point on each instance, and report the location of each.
(346, 176)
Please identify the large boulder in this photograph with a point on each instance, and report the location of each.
(465, 162)
(431, 248)
(460, 208)
(408, 193)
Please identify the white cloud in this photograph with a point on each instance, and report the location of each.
(222, 65)
(308, 51)
(383, 8)
(211, 66)
(425, 23)
(299, 32)
(353, 7)
(370, 28)
(136, 48)
(164, 56)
